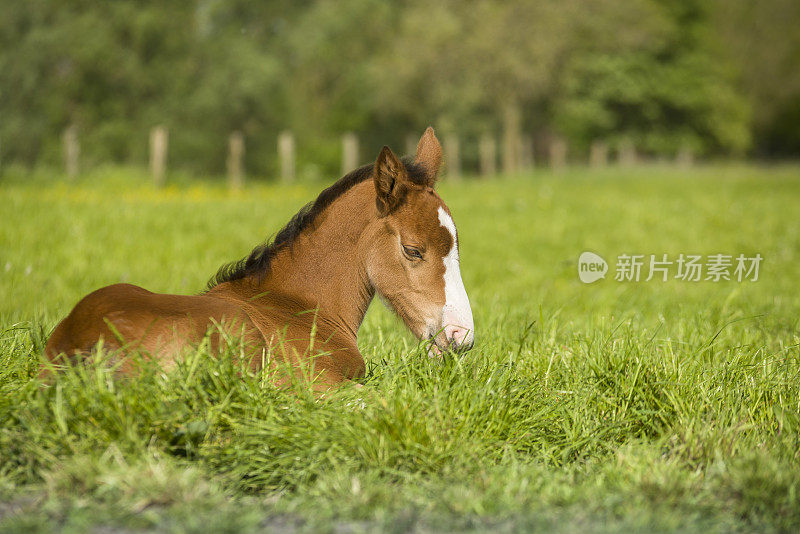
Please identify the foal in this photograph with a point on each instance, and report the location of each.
(380, 229)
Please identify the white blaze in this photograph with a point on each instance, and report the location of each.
(457, 311)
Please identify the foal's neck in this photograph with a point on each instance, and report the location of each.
(324, 268)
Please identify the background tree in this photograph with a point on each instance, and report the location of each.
(718, 77)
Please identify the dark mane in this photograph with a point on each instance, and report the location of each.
(258, 261)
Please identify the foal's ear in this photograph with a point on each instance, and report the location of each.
(390, 181)
(429, 155)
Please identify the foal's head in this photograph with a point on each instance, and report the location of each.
(413, 258)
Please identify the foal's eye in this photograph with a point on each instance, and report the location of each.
(412, 252)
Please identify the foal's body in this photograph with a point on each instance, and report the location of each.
(306, 295)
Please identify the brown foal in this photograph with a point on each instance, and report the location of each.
(380, 229)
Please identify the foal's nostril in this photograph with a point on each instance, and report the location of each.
(459, 338)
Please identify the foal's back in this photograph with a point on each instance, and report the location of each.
(129, 317)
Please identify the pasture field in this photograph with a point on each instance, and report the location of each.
(651, 405)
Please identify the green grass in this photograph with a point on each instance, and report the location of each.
(637, 406)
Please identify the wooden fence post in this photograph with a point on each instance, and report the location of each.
(558, 154)
(451, 151)
(685, 157)
(72, 151)
(235, 160)
(487, 149)
(286, 156)
(411, 145)
(349, 152)
(512, 117)
(598, 155)
(626, 154)
(525, 153)
(159, 139)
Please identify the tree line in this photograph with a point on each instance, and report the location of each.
(714, 77)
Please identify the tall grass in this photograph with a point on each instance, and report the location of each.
(650, 405)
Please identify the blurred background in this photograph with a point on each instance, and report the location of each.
(271, 89)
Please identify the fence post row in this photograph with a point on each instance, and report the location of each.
(517, 154)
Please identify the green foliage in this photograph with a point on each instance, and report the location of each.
(664, 74)
(663, 107)
(759, 38)
(635, 406)
(670, 92)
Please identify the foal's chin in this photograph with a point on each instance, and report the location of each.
(437, 342)
(429, 337)
(425, 328)
(437, 347)
(436, 351)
